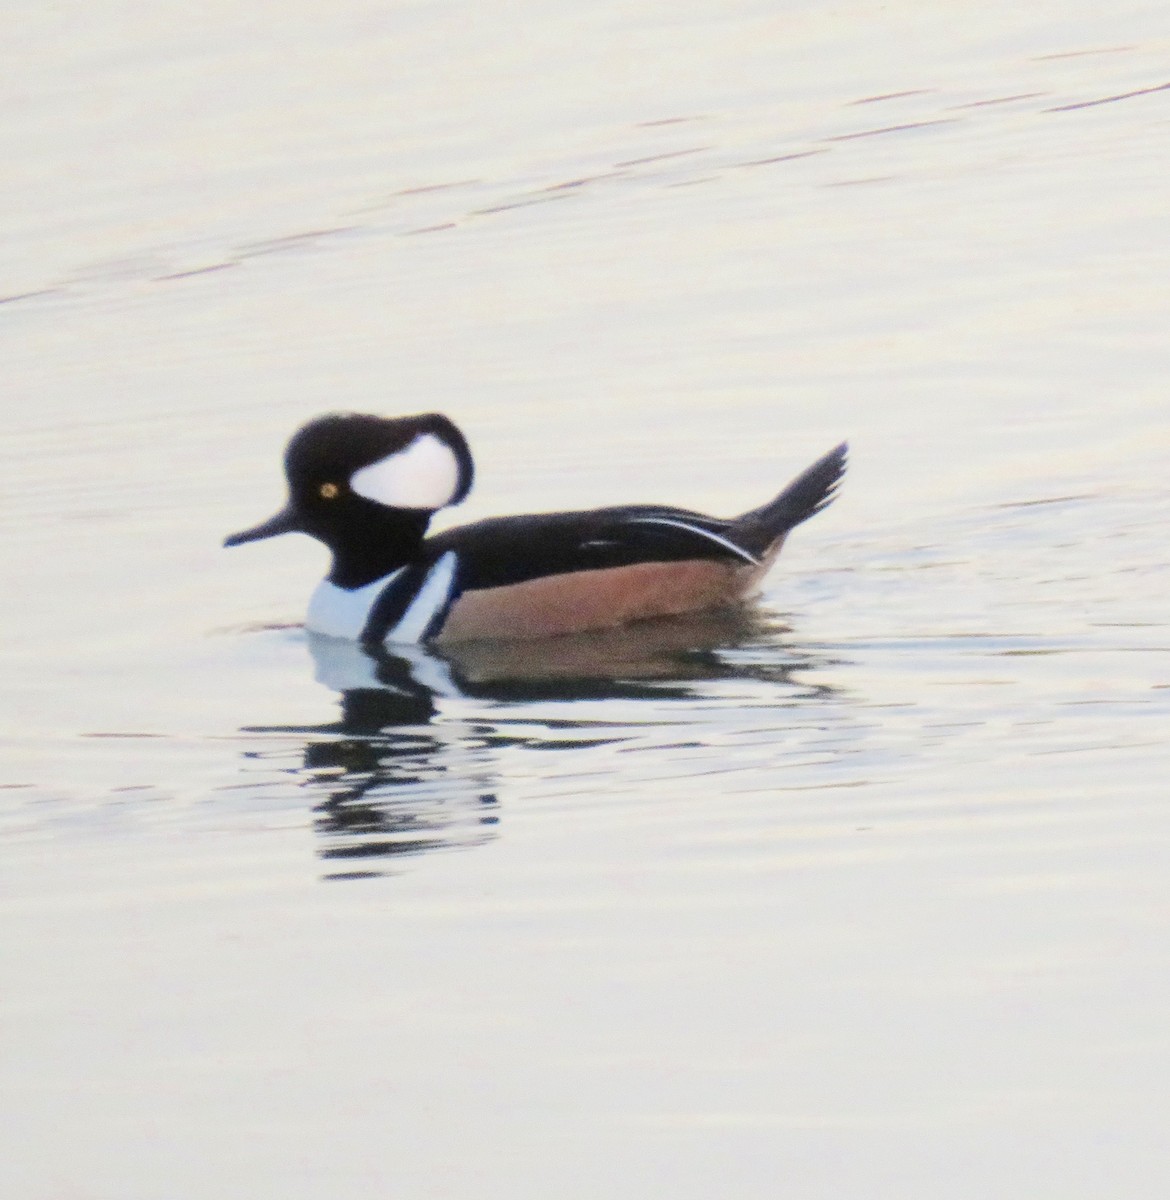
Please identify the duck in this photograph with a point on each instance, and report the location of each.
(368, 486)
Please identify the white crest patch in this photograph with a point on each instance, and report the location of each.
(424, 474)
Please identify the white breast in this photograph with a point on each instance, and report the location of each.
(338, 612)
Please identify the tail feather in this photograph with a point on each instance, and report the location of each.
(804, 497)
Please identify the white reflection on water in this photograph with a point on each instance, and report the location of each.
(399, 776)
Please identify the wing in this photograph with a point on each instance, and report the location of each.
(507, 550)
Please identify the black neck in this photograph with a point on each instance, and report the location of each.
(372, 548)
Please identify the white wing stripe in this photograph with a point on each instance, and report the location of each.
(429, 599)
(714, 537)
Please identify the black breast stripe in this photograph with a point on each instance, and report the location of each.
(391, 605)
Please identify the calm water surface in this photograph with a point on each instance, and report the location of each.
(863, 892)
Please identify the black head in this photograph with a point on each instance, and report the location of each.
(367, 486)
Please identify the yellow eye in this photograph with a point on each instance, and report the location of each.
(328, 491)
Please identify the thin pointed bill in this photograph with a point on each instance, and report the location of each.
(285, 521)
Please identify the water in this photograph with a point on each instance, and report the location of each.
(860, 893)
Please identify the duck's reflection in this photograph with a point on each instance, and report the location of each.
(412, 764)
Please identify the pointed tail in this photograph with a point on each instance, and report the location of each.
(804, 497)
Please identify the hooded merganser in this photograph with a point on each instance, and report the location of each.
(368, 486)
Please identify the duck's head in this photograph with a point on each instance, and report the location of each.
(367, 487)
